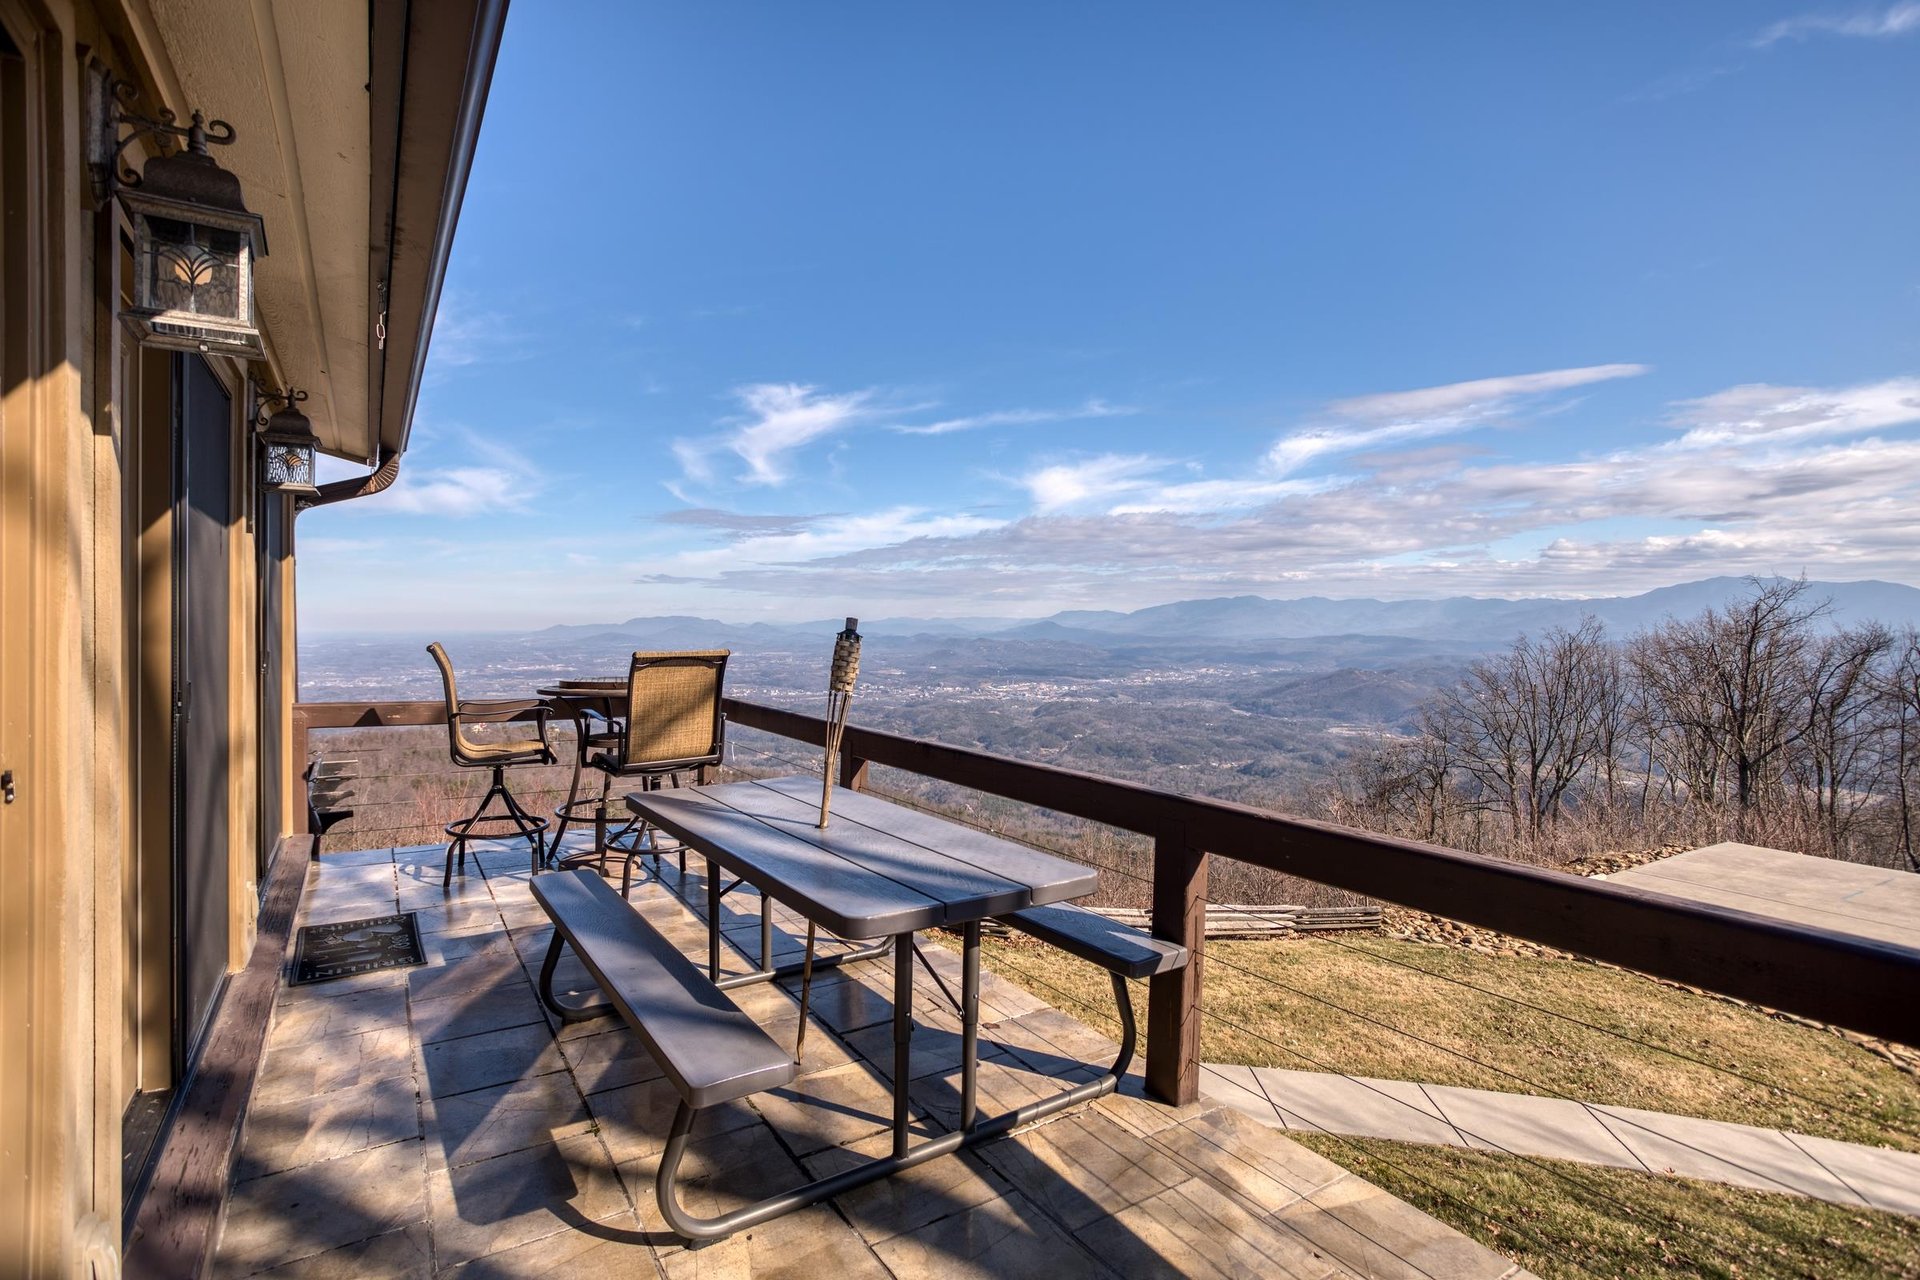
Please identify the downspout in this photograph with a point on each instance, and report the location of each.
(380, 478)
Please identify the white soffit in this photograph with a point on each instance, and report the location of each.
(291, 77)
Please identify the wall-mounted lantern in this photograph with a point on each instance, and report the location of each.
(194, 241)
(287, 445)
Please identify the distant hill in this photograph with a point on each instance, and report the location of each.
(1312, 631)
(1348, 694)
(1466, 620)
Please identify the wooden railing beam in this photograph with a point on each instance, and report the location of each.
(1835, 978)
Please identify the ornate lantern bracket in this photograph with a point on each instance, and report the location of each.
(195, 240)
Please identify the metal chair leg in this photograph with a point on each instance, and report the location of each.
(525, 825)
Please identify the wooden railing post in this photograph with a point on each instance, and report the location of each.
(1173, 999)
(297, 766)
(853, 772)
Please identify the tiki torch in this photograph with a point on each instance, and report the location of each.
(840, 681)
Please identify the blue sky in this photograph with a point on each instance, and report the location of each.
(791, 311)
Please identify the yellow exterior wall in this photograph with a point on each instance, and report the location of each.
(75, 677)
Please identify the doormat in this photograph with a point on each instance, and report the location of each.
(324, 952)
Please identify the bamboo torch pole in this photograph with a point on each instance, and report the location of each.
(840, 682)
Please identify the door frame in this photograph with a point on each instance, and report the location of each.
(234, 826)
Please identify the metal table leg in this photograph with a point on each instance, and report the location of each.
(713, 921)
(902, 1037)
(766, 934)
(969, 1021)
(579, 762)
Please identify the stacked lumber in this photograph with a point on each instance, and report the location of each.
(1228, 920)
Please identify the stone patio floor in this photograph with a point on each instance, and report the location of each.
(433, 1122)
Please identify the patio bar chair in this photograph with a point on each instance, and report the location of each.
(498, 757)
(673, 726)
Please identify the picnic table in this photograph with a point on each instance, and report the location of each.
(878, 874)
(880, 870)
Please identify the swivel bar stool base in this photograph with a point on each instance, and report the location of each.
(530, 827)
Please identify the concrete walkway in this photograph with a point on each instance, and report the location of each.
(1845, 1173)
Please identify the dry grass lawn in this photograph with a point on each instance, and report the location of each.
(1371, 1006)
(1573, 1220)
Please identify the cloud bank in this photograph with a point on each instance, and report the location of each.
(1751, 478)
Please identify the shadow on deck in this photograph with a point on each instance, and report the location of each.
(434, 1122)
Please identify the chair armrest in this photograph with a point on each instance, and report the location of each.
(500, 710)
(490, 708)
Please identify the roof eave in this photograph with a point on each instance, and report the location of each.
(432, 66)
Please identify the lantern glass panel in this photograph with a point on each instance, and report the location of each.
(196, 269)
(289, 466)
(193, 279)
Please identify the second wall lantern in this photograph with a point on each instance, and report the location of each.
(287, 445)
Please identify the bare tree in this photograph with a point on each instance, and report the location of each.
(1842, 706)
(1754, 720)
(1723, 684)
(1900, 685)
(1527, 725)
(1401, 787)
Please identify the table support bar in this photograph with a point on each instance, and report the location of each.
(696, 1229)
(945, 990)
(795, 968)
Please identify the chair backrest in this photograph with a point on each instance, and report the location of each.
(457, 744)
(673, 710)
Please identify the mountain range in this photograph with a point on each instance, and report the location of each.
(1453, 624)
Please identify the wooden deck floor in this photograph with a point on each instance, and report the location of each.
(431, 1122)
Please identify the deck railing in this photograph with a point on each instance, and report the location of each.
(1848, 982)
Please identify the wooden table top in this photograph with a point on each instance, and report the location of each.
(878, 870)
(598, 687)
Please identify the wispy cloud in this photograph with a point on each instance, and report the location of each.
(1479, 397)
(499, 479)
(780, 418)
(456, 491)
(1762, 412)
(1132, 484)
(827, 537)
(1018, 417)
(1197, 497)
(1089, 481)
(739, 521)
(1391, 417)
(466, 335)
(1821, 480)
(1870, 24)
